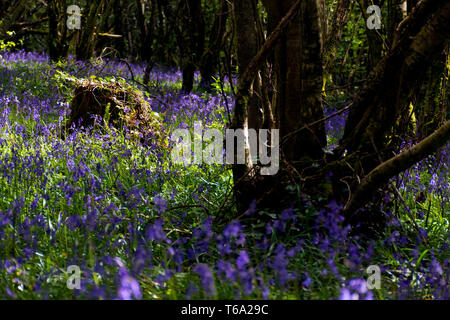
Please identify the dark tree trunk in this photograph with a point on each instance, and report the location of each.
(297, 42)
(210, 59)
(374, 41)
(119, 43)
(247, 48)
(191, 40)
(146, 29)
(164, 26)
(396, 14)
(57, 29)
(52, 13)
(247, 45)
(433, 107)
(87, 39)
(410, 5)
(340, 17)
(298, 83)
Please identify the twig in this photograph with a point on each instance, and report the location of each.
(308, 126)
(188, 206)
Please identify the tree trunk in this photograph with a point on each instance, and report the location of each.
(247, 48)
(118, 26)
(191, 40)
(373, 36)
(210, 57)
(334, 34)
(147, 30)
(418, 41)
(296, 40)
(396, 13)
(298, 82)
(432, 108)
(57, 29)
(410, 5)
(86, 44)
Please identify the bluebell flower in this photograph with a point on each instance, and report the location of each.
(207, 279)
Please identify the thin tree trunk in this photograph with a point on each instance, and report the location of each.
(247, 45)
(334, 35)
(374, 41)
(118, 26)
(210, 58)
(191, 40)
(86, 44)
(396, 13)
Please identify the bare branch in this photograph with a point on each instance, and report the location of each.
(381, 174)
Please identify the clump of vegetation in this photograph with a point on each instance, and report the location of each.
(115, 103)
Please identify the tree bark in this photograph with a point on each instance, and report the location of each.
(247, 46)
(86, 44)
(118, 26)
(210, 58)
(367, 136)
(191, 40)
(245, 191)
(374, 41)
(57, 29)
(396, 13)
(334, 35)
(298, 83)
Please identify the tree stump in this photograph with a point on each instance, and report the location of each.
(117, 104)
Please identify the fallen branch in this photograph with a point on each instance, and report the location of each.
(381, 174)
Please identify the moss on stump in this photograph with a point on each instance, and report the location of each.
(118, 104)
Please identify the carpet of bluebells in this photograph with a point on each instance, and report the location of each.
(141, 227)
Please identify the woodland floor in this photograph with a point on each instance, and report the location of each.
(140, 227)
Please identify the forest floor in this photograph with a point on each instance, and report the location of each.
(137, 226)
